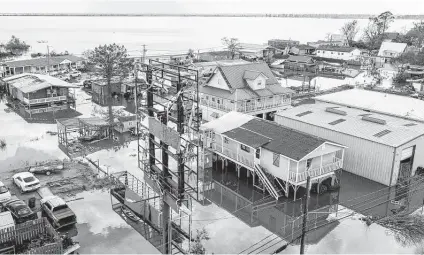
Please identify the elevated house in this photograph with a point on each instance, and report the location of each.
(125, 123)
(389, 51)
(37, 93)
(415, 74)
(342, 53)
(302, 49)
(277, 158)
(249, 88)
(257, 51)
(299, 63)
(40, 65)
(101, 93)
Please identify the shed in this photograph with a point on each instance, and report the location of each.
(382, 148)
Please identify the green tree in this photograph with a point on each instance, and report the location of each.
(197, 245)
(112, 61)
(16, 46)
(350, 29)
(232, 44)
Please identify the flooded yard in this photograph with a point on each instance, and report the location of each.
(101, 230)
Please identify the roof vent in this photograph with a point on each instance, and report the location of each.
(336, 122)
(336, 111)
(303, 113)
(374, 120)
(410, 124)
(382, 133)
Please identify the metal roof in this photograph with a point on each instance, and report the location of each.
(94, 121)
(401, 130)
(28, 82)
(401, 106)
(337, 49)
(247, 137)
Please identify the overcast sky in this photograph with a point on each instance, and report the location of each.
(214, 6)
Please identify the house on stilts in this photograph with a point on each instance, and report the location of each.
(275, 159)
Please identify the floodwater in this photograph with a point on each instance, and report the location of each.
(165, 34)
(101, 230)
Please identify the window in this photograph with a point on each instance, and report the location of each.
(213, 99)
(308, 163)
(244, 148)
(258, 153)
(276, 159)
(207, 97)
(336, 122)
(226, 140)
(332, 53)
(323, 51)
(260, 83)
(303, 113)
(318, 51)
(218, 101)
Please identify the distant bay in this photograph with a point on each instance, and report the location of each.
(166, 34)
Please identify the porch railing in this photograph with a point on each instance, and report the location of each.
(247, 161)
(262, 105)
(223, 107)
(315, 172)
(44, 100)
(47, 109)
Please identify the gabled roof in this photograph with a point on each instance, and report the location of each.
(391, 47)
(336, 49)
(252, 75)
(257, 132)
(28, 82)
(234, 74)
(39, 62)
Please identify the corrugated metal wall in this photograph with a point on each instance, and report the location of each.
(365, 158)
(418, 157)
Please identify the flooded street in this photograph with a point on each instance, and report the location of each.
(101, 230)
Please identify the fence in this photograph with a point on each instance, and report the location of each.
(25, 232)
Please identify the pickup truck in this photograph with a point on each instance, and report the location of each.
(57, 211)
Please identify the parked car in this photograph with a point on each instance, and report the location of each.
(4, 193)
(75, 74)
(6, 220)
(26, 181)
(19, 210)
(57, 211)
(87, 83)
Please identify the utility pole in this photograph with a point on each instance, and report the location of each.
(48, 59)
(305, 215)
(144, 54)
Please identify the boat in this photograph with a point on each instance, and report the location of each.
(130, 215)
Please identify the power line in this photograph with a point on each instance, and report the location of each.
(350, 215)
(361, 202)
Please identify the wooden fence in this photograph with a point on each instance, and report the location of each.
(31, 230)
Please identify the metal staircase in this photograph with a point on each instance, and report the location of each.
(267, 180)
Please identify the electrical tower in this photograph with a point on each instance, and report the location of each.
(169, 147)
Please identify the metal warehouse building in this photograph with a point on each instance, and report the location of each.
(382, 148)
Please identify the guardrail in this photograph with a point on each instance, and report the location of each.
(44, 100)
(314, 172)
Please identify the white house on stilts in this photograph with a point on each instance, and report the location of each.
(279, 159)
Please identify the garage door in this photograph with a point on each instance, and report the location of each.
(407, 153)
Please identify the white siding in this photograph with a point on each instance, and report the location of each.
(362, 157)
(267, 163)
(218, 81)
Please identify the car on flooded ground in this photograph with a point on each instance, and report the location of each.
(26, 181)
(4, 193)
(58, 212)
(74, 74)
(19, 210)
(46, 169)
